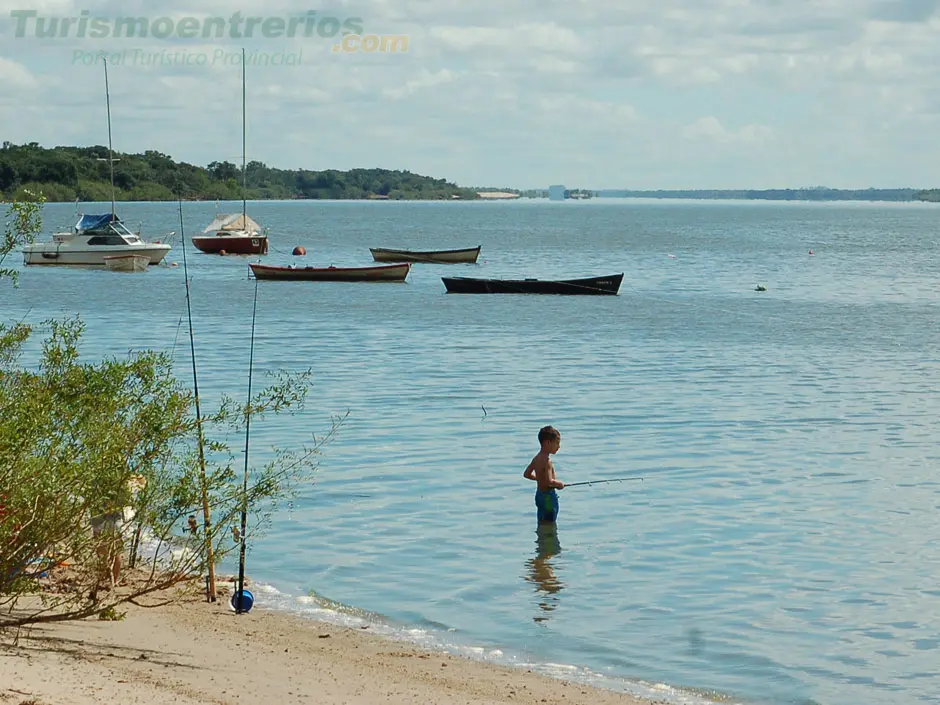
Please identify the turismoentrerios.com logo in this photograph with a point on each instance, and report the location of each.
(29, 24)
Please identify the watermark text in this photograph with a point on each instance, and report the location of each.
(180, 57)
(372, 43)
(29, 24)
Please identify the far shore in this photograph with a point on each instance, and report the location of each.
(503, 196)
(193, 652)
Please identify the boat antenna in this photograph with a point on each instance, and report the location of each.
(240, 594)
(204, 484)
(107, 96)
(244, 150)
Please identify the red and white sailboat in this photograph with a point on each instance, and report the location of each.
(235, 233)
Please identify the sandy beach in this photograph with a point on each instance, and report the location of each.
(196, 652)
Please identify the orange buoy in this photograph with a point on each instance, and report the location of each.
(223, 252)
(299, 251)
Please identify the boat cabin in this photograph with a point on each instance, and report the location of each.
(100, 230)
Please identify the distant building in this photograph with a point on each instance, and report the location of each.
(556, 193)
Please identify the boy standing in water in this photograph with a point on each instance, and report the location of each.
(542, 471)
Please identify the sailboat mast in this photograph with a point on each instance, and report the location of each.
(244, 150)
(107, 95)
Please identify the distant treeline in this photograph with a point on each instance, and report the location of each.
(70, 173)
(800, 194)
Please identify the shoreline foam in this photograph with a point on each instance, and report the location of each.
(319, 609)
(195, 652)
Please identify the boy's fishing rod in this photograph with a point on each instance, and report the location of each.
(206, 517)
(597, 482)
(240, 595)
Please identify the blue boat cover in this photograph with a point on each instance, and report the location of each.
(93, 222)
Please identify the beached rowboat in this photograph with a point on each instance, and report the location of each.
(591, 286)
(387, 273)
(127, 263)
(465, 256)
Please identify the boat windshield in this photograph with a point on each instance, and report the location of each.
(124, 232)
(106, 230)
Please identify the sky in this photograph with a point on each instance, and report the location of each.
(664, 94)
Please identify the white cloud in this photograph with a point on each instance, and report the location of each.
(425, 79)
(545, 37)
(904, 10)
(709, 128)
(15, 76)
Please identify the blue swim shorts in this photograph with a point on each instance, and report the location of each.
(547, 505)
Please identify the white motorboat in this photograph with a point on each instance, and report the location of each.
(94, 238)
(127, 263)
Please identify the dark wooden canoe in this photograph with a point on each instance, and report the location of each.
(466, 256)
(390, 273)
(591, 286)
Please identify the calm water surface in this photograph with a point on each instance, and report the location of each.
(783, 546)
